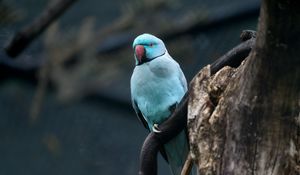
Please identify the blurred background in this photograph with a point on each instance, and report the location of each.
(65, 101)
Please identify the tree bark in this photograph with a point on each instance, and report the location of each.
(247, 120)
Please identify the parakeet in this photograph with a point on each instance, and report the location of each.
(157, 86)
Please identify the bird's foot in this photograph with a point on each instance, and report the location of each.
(155, 128)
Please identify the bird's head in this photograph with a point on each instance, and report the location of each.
(147, 47)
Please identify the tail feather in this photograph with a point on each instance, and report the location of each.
(177, 150)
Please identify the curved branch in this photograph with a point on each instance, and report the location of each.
(234, 57)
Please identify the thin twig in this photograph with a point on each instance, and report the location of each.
(39, 95)
(188, 165)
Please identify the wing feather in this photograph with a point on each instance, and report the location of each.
(139, 114)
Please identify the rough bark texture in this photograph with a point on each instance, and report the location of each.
(247, 120)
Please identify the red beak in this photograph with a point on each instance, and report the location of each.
(139, 52)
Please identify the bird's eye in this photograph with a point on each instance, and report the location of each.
(151, 44)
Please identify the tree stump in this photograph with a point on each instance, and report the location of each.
(246, 120)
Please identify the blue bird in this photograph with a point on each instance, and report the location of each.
(157, 86)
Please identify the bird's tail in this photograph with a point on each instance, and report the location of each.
(177, 150)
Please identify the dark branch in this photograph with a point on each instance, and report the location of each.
(24, 37)
(178, 119)
(247, 34)
(234, 57)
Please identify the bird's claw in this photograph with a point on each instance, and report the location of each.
(155, 128)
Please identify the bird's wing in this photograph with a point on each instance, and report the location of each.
(182, 79)
(142, 119)
(139, 114)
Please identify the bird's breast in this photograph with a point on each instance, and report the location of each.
(156, 88)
